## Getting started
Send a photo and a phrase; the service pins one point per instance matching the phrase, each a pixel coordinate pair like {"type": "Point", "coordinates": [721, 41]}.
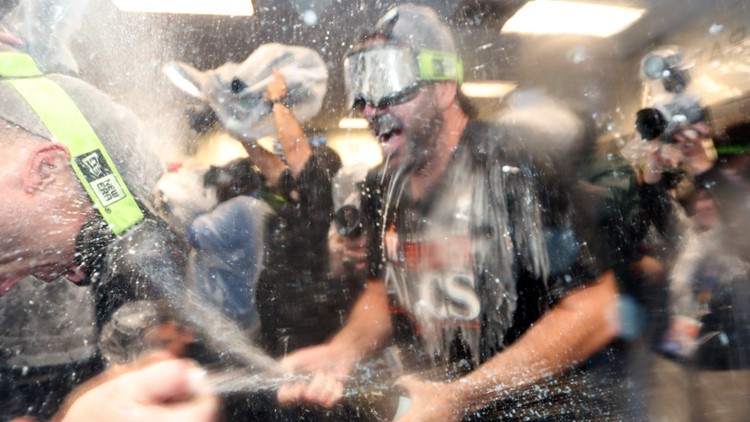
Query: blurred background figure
{"type": "Point", "coordinates": [262, 253]}
{"type": "Point", "coordinates": [706, 338]}
{"type": "Point", "coordinates": [228, 241]}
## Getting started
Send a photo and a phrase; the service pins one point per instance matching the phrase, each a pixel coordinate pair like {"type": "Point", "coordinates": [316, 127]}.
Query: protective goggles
{"type": "Point", "coordinates": [387, 75]}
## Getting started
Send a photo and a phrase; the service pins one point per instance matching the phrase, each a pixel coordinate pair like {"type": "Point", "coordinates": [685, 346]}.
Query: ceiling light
{"type": "Point", "coordinates": [193, 7]}
{"type": "Point", "coordinates": [489, 89]}
{"type": "Point", "coordinates": [352, 123]}
{"type": "Point", "coordinates": [568, 17]}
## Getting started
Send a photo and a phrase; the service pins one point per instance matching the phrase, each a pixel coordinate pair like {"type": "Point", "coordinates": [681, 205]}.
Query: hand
{"type": "Point", "coordinates": [277, 89]}
{"type": "Point", "coordinates": [690, 144]}
{"type": "Point", "coordinates": [431, 401]}
{"type": "Point", "coordinates": [169, 390]}
{"type": "Point", "coordinates": [346, 253]}
{"type": "Point", "coordinates": [329, 369]}
{"type": "Point", "coordinates": [662, 157]}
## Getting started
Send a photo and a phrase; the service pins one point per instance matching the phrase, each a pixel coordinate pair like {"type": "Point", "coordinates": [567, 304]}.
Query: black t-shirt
{"type": "Point", "coordinates": [298, 303]}
{"type": "Point", "coordinates": [493, 245]}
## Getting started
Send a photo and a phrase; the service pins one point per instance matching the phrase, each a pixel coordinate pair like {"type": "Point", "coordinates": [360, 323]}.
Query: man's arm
{"type": "Point", "coordinates": [292, 139]}
{"type": "Point", "coordinates": [368, 328]}
{"type": "Point", "coordinates": [581, 324]}
{"type": "Point", "coordinates": [291, 136]}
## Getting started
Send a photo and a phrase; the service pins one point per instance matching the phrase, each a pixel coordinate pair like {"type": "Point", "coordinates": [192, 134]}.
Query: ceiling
{"type": "Point", "coordinates": [123, 52]}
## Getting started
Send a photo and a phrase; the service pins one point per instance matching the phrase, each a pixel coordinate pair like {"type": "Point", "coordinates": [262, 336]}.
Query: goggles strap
{"type": "Point", "coordinates": [67, 125]}
{"type": "Point", "coordinates": [439, 66]}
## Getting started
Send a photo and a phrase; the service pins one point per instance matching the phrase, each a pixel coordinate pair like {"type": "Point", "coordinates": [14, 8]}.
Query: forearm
{"type": "Point", "coordinates": [369, 324]}
{"type": "Point", "coordinates": [579, 326]}
{"type": "Point", "coordinates": [292, 138]}
{"type": "Point", "coordinates": [269, 164]}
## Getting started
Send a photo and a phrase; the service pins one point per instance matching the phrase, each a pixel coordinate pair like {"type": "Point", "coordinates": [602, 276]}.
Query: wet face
{"type": "Point", "coordinates": [407, 132]}
{"type": "Point", "coordinates": [42, 208]}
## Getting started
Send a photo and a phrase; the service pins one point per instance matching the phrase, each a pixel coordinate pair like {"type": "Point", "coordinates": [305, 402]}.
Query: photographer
{"type": "Point", "coordinates": [684, 134]}
{"type": "Point", "coordinates": [707, 340]}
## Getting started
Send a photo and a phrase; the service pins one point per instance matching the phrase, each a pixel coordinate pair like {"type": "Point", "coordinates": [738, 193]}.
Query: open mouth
{"type": "Point", "coordinates": [388, 129]}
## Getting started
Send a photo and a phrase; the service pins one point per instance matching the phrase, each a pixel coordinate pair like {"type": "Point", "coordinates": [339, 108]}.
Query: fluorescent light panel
{"type": "Point", "coordinates": [568, 17]}
{"type": "Point", "coordinates": [488, 89]}
{"type": "Point", "coordinates": [192, 7]}
{"type": "Point", "coordinates": [353, 123]}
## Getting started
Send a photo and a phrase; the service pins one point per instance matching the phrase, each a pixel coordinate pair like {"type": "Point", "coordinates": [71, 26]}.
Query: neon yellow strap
{"type": "Point", "coordinates": [439, 66]}
{"type": "Point", "coordinates": [90, 160]}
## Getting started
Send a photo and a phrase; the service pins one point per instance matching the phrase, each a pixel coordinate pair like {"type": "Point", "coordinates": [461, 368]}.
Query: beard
{"type": "Point", "coordinates": [420, 135]}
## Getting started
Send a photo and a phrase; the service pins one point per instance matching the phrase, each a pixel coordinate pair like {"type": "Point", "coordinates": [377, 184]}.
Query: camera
{"type": "Point", "coordinates": [348, 221]}
{"type": "Point", "coordinates": [663, 121]}
{"type": "Point", "coordinates": [668, 66]}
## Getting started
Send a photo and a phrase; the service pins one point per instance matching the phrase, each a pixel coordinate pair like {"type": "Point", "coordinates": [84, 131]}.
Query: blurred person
{"type": "Point", "coordinates": [706, 341]}
{"type": "Point", "coordinates": [228, 241]}
{"type": "Point", "coordinates": [262, 255]}
{"type": "Point", "coordinates": [702, 372]}
{"type": "Point", "coordinates": [683, 129]}
{"type": "Point", "coordinates": [474, 242]}
{"type": "Point", "coordinates": [75, 181]}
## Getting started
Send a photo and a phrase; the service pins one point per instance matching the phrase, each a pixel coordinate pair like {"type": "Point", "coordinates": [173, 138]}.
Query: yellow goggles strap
{"type": "Point", "coordinates": [67, 125]}
{"type": "Point", "coordinates": [439, 66]}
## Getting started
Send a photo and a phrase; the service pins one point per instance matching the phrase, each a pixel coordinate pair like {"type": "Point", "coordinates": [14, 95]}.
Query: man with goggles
{"type": "Point", "coordinates": [435, 218]}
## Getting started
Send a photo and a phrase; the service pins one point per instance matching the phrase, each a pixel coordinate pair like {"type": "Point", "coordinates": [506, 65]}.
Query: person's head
{"type": "Point", "coordinates": [42, 206]}
{"type": "Point", "coordinates": [46, 212]}
{"type": "Point", "coordinates": [238, 177]}
{"type": "Point", "coordinates": [405, 76]}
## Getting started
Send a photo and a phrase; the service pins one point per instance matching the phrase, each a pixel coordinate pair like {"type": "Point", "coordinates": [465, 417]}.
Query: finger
{"type": "Point", "coordinates": [290, 393]}
{"type": "Point", "coordinates": [335, 394]}
{"type": "Point", "coordinates": [316, 390]}
{"type": "Point", "coordinates": [324, 390]}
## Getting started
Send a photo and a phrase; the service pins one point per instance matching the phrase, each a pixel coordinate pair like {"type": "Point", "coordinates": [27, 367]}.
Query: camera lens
{"type": "Point", "coordinates": [650, 123]}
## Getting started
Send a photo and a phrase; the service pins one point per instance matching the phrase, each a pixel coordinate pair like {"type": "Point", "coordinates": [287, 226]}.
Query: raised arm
{"type": "Point", "coordinates": [368, 328]}
{"type": "Point", "coordinates": [291, 136]}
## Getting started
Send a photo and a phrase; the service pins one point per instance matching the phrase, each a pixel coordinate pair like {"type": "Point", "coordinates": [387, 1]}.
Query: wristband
{"type": "Point", "coordinates": [281, 100]}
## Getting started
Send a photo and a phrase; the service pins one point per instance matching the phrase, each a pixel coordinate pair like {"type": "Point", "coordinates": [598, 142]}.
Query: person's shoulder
{"type": "Point", "coordinates": [491, 143]}
{"type": "Point", "coordinates": [326, 157]}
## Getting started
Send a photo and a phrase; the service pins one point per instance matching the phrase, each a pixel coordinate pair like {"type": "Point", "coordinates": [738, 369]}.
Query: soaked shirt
{"type": "Point", "coordinates": [485, 254]}
{"type": "Point", "coordinates": [299, 304]}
